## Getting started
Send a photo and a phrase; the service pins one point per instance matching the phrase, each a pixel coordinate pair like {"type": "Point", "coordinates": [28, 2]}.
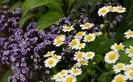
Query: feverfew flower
{"type": "Point", "coordinates": [75, 71]}
{"type": "Point", "coordinates": [129, 74]}
{"type": "Point", "coordinates": [56, 57]}
{"type": "Point", "coordinates": [120, 9]}
{"type": "Point", "coordinates": [69, 78]}
{"type": "Point", "coordinates": [129, 34]}
{"type": "Point", "coordinates": [80, 34]}
{"type": "Point", "coordinates": [73, 44]}
{"type": "Point", "coordinates": [119, 67]}
{"type": "Point", "coordinates": [79, 55]}
{"type": "Point", "coordinates": [49, 53]}
{"type": "Point", "coordinates": [129, 67]}
{"type": "Point", "coordinates": [129, 51]}
{"type": "Point", "coordinates": [90, 37]}
{"type": "Point", "coordinates": [80, 46]}
{"type": "Point", "coordinates": [111, 8]}
{"type": "Point", "coordinates": [86, 26]}
{"type": "Point", "coordinates": [111, 57]}
{"type": "Point", "coordinates": [63, 73]}
{"type": "Point", "coordinates": [68, 28]}
{"type": "Point", "coordinates": [59, 40]}
{"type": "Point", "coordinates": [119, 78]}
{"type": "Point", "coordinates": [103, 11]}
{"type": "Point", "coordinates": [117, 47]}
{"type": "Point", "coordinates": [50, 62]}
{"type": "Point", "coordinates": [89, 55]}
{"type": "Point", "coordinates": [82, 62]}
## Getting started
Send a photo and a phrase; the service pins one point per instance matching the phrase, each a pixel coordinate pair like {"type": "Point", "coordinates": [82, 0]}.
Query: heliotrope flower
{"type": "Point", "coordinates": [129, 51]}
{"type": "Point", "coordinates": [117, 47]}
{"type": "Point", "coordinates": [111, 57]}
{"type": "Point", "coordinates": [119, 78]}
{"type": "Point", "coordinates": [89, 55]}
{"type": "Point", "coordinates": [86, 26]}
{"type": "Point", "coordinates": [67, 28]}
{"type": "Point", "coordinates": [90, 37]}
{"type": "Point", "coordinates": [51, 62]}
{"type": "Point", "coordinates": [59, 40]}
{"type": "Point", "coordinates": [49, 53]}
{"type": "Point", "coordinates": [75, 71]}
{"type": "Point", "coordinates": [119, 67]}
{"type": "Point", "coordinates": [120, 9]}
{"type": "Point", "coordinates": [103, 11]}
{"type": "Point", "coordinates": [80, 34]}
{"type": "Point", "coordinates": [129, 74]}
{"type": "Point", "coordinates": [129, 34]}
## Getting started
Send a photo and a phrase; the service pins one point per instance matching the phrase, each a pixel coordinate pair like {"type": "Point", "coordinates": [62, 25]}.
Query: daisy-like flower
{"type": "Point", "coordinates": [80, 34]}
{"type": "Point", "coordinates": [90, 37]}
{"type": "Point", "coordinates": [131, 61]}
{"type": "Point", "coordinates": [129, 74]}
{"type": "Point", "coordinates": [57, 78]}
{"type": "Point", "coordinates": [73, 44]}
{"type": "Point", "coordinates": [69, 78]}
{"type": "Point", "coordinates": [119, 78]}
{"type": "Point", "coordinates": [56, 57]}
{"type": "Point", "coordinates": [86, 26]}
{"type": "Point", "coordinates": [75, 71]}
{"type": "Point", "coordinates": [82, 62]}
{"type": "Point", "coordinates": [98, 33]}
{"type": "Point", "coordinates": [129, 51]}
{"type": "Point", "coordinates": [80, 46]}
{"type": "Point", "coordinates": [119, 67]}
{"type": "Point", "coordinates": [129, 34]}
{"type": "Point", "coordinates": [89, 55]}
{"type": "Point", "coordinates": [111, 57]}
{"type": "Point", "coordinates": [117, 47]}
{"type": "Point", "coordinates": [79, 55]}
{"type": "Point", "coordinates": [103, 11]}
{"type": "Point", "coordinates": [59, 40]}
{"type": "Point", "coordinates": [49, 53]}
{"type": "Point", "coordinates": [120, 9]}
{"type": "Point", "coordinates": [68, 28]}
{"type": "Point", "coordinates": [50, 62]}
{"type": "Point", "coordinates": [111, 9]}
{"type": "Point", "coordinates": [63, 73]}
{"type": "Point", "coordinates": [129, 67]}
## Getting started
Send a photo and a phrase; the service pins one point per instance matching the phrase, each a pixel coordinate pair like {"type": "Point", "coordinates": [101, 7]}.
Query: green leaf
{"type": "Point", "coordinates": [6, 75]}
{"type": "Point", "coordinates": [4, 1]}
{"type": "Point", "coordinates": [48, 19]}
{"type": "Point", "coordinates": [70, 4]}
{"type": "Point", "coordinates": [24, 19]}
{"type": "Point", "coordinates": [29, 4]}
{"type": "Point", "coordinates": [15, 5]}
{"type": "Point", "coordinates": [128, 42]}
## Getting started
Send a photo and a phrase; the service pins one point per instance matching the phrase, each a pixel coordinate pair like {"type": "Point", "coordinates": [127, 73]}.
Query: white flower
{"type": "Point", "coordinates": [129, 74]}
{"type": "Point", "coordinates": [57, 78]}
{"type": "Point", "coordinates": [129, 67]}
{"type": "Point", "coordinates": [49, 53]}
{"type": "Point", "coordinates": [68, 28]}
{"type": "Point", "coordinates": [59, 40]}
{"type": "Point", "coordinates": [103, 11]}
{"type": "Point", "coordinates": [90, 37]}
{"type": "Point", "coordinates": [111, 57]}
{"type": "Point", "coordinates": [129, 51]}
{"type": "Point", "coordinates": [111, 9]}
{"type": "Point", "coordinates": [73, 44]}
{"type": "Point", "coordinates": [69, 78]}
{"type": "Point", "coordinates": [50, 62]}
{"type": "Point", "coordinates": [63, 73]}
{"type": "Point", "coordinates": [118, 67]}
{"type": "Point", "coordinates": [80, 46]}
{"type": "Point", "coordinates": [120, 9]}
{"type": "Point", "coordinates": [129, 34]}
{"type": "Point", "coordinates": [131, 61]}
{"type": "Point", "coordinates": [119, 78]}
{"type": "Point", "coordinates": [117, 47]}
{"type": "Point", "coordinates": [80, 34]}
{"type": "Point", "coordinates": [75, 71]}
{"type": "Point", "coordinates": [98, 33]}
{"type": "Point", "coordinates": [79, 55]}
{"type": "Point", "coordinates": [86, 26]}
{"type": "Point", "coordinates": [89, 55]}
{"type": "Point", "coordinates": [56, 57]}
{"type": "Point", "coordinates": [82, 62]}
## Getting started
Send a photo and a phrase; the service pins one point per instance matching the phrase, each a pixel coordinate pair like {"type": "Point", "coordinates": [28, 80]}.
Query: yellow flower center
{"type": "Point", "coordinates": [118, 47]}
{"type": "Point", "coordinates": [67, 28]}
{"type": "Point", "coordinates": [111, 8]}
{"type": "Point", "coordinates": [58, 37]}
{"type": "Point", "coordinates": [62, 73]}
{"type": "Point", "coordinates": [75, 71]}
{"type": "Point", "coordinates": [88, 37]}
{"type": "Point", "coordinates": [103, 11]}
{"type": "Point", "coordinates": [89, 55]}
{"type": "Point", "coordinates": [50, 62]}
{"type": "Point", "coordinates": [130, 68]}
{"type": "Point", "coordinates": [59, 41]}
{"type": "Point", "coordinates": [73, 42]}
{"type": "Point", "coordinates": [55, 57]}
{"type": "Point", "coordinates": [86, 25]}
{"type": "Point", "coordinates": [131, 74]}
{"type": "Point", "coordinates": [69, 79]}
{"type": "Point", "coordinates": [120, 66]}
{"type": "Point", "coordinates": [130, 33]}
{"type": "Point", "coordinates": [120, 8]}
{"type": "Point", "coordinates": [131, 50]}
{"type": "Point", "coordinates": [111, 56]}
{"type": "Point", "coordinates": [79, 55]}
{"type": "Point", "coordinates": [82, 62]}
{"type": "Point", "coordinates": [80, 45]}
{"type": "Point", "coordinates": [79, 34]}
{"type": "Point", "coordinates": [119, 79]}
{"type": "Point", "coordinates": [49, 53]}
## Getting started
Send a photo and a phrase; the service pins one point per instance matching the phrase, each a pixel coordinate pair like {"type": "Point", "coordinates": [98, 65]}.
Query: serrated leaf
{"type": "Point", "coordinates": [48, 19]}
{"type": "Point", "coordinates": [15, 5]}
{"type": "Point", "coordinates": [6, 75]}
{"type": "Point", "coordinates": [24, 19]}
{"type": "Point", "coordinates": [29, 4]}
